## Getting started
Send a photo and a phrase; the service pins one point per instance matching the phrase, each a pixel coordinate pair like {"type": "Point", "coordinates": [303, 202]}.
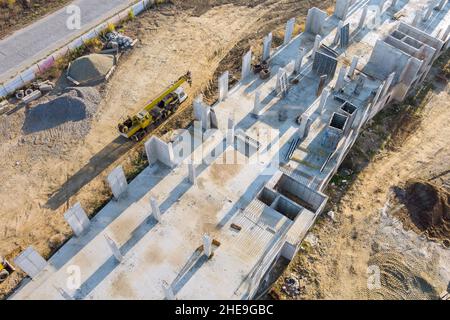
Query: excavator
{"type": "Point", "coordinates": [156, 110]}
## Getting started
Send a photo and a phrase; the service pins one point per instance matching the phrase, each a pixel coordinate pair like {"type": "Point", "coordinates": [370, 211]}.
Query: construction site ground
{"type": "Point", "coordinates": [371, 232]}
{"type": "Point", "coordinates": [47, 167]}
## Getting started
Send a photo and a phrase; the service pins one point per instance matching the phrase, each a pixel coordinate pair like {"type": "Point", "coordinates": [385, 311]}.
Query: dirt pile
{"type": "Point", "coordinates": [426, 209]}
{"type": "Point", "coordinates": [67, 115]}
{"type": "Point", "coordinates": [91, 68]}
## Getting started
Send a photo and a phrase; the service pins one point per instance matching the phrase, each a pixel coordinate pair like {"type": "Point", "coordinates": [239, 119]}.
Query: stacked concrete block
{"type": "Point", "coordinates": [341, 8]}
{"type": "Point", "coordinates": [246, 65]}
{"type": "Point", "coordinates": [117, 182]}
{"type": "Point", "coordinates": [31, 262]}
{"type": "Point", "coordinates": [158, 150]}
{"type": "Point", "coordinates": [77, 218]}
{"type": "Point", "coordinates": [267, 44]}
{"type": "Point", "coordinates": [289, 31]}
{"type": "Point", "coordinates": [315, 21]}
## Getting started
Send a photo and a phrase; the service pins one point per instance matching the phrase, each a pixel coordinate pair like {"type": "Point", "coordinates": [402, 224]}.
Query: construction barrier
{"type": "Point", "coordinates": [45, 64]}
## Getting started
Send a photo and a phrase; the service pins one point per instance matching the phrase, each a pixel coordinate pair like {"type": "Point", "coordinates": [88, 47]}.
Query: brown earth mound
{"type": "Point", "coordinates": [427, 210]}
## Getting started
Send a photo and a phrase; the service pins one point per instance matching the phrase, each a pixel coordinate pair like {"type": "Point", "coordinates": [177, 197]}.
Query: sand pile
{"type": "Point", "coordinates": [66, 117]}
{"type": "Point", "coordinates": [427, 210]}
{"type": "Point", "coordinates": [91, 68]}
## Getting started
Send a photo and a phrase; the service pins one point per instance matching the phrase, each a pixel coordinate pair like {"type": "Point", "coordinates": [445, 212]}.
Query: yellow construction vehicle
{"type": "Point", "coordinates": [5, 269]}
{"type": "Point", "coordinates": [156, 110]}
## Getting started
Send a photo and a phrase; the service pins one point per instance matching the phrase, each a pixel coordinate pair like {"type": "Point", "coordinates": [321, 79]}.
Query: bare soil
{"type": "Point", "coordinates": [41, 178]}
{"type": "Point", "coordinates": [374, 235]}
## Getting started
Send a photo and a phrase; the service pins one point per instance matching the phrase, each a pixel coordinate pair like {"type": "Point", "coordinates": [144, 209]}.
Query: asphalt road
{"type": "Point", "coordinates": [27, 46]}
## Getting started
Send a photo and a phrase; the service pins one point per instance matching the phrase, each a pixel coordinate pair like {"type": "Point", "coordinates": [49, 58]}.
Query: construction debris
{"type": "Point", "coordinates": [117, 40]}
{"type": "Point", "coordinates": [291, 286]}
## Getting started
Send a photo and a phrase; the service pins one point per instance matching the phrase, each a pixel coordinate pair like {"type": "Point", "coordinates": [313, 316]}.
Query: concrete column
{"type": "Point", "coordinates": [267, 44]}
{"type": "Point", "coordinates": [338, 32]}
{"type": "Point", "coordinates": [362, 20]}
{"type": "Point", "coordinates": [381, 5]}
{"type": "Point", "coordinates": [31, 262]}
{"type": "Point", "coordinates": [156, 213]}
{"type": "Point", "coordinates": [446, 33]}
{"type": "Point", "coordinates": [257, 103]}
{"type": "Point", "coordinates": [316, 45]}
{"type": "Point", "coordinates": [303, 125]}
{"type": "Point", "coordinates": [378, 94]}
{"type": "Point", "coordinates": [417, 17]}
{"type": "Point", "coordinates": [394, 3]}
{"type": "Point", "coordinates": [223, 86]}
{"type": "Point", "coordinates": [246, 65]}
{"type": "Point", "coordinates": [323, 100]}
{"type": "Point", "coordinates": [192, 173]}
{"type": "Point", "coordinates": [207, 245]}
{"type": "Point", "coordinates": [289, 31]}
{"type": "Point", "coordinates": [64, 294]}
{"type": "Point", "coordinates": [323, 79]}
{"type": "Point", "coordinates": [341, 9]}
{"type": "Point", "coordinates": [281, 85]}
{"type": "Point", "coordinates": [168, 291]}
{"type": "Point", "coordinates": [114, 248]}
{"type": "Point", "coordinates": [230, 132]}
{"type": "Point", "coordinates": [117, 182]}
{"type": "Point", "coordinates": [387, 84]}
{"type": "Point", "coordinates": [441, 4]}
{"type": "Point", "coordinates": [340, 79]}
{"type": "Point", "coordinates": [77, 219]}
{"type": "Point", "coordinates": [299, 60]}
{"type": "Point", "coordinates": [353, 66]}
{"type": "Point", "coordinates": [428, 12]}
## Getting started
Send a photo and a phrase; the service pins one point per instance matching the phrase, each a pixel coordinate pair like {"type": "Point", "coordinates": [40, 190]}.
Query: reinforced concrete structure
{"type": "Point", "coordinates": [222, 203]}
